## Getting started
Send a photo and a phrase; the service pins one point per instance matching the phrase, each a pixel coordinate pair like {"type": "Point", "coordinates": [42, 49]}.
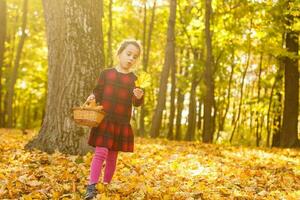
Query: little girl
{"type": "Point", "coordinates": [116, 92]}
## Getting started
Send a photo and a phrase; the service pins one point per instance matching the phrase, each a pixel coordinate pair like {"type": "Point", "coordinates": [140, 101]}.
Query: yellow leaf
{"type": "Point", "coordinates": [143, 80]}
{"type": "Point", "coordinates": [34, 183]}
{"type": "Point", "coordinates": [26, 197]}
{"type": "Point", "coordinates": [100, 187]}
{"type": "Point", "coordinates": [55, 195]}
{"type": "Point", "coordinates": [167, 197]}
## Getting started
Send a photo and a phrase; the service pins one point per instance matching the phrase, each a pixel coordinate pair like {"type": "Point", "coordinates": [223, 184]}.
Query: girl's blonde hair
{"type": "Point", "coordinates": [127, 42]}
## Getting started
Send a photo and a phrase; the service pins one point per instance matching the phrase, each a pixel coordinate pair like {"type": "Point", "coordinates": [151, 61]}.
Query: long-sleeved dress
{"type": "Point", "coordinates": [114, 91]}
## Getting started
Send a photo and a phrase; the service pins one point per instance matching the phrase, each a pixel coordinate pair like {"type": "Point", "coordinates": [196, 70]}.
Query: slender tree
{"type": "Point", "coordinates": [257, 114]}
{"type": "Point", "coordinates": [183, 72]}
{"type": "Point", "coordinates": [207, 136]}
{"type": "Point", "coordinates": [168, 63]}
{"type": "Point", "coordinates": [3, 11]}
{"type": "Point", "coordinates": [172, 102]}
{"type": "Point", "coordinates": [236, 122]}
{"type": "Point", "coordinates": [145, 67]}
{"type": "Point", "coordinates": [14, 73]}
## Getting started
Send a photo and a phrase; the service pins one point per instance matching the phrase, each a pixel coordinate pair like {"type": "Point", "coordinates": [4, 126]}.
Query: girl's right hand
{"type": "Point", "coordinates": [91, 97]}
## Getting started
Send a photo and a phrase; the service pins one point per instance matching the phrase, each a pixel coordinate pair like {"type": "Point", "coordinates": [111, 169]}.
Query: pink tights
{"type": "Point", "coordinates": [101, 154]}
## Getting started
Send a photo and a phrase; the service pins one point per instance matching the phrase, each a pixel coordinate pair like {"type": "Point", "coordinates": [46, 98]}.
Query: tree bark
{"type": "Point", "coordinates": [289, 132]}
{"type": "Point", "coordinates": [207, 136]}
{"type": "Point", "coordinates": [190, 133]}
{"type": "Point", "coordinates": [277, 123]}
{"type": "Point", "coordinates": [277, 82]}
{"type": "Point", "coordinates": [183, 71]}
{"type": "Point", "coordinates": [14, 74]}
{"type": "Point", "coordinates": [75, 60]}
{"type": "Point", "coordinates": [242, 87]}
{"type": "Point", "coordinates": [145, 67]}
{"type": "Point", "coordinates": [172, 102]}
{"type": "Point", "coordinates": [223, 118]}
{"type": "Point", "coordinates": [109, 36]}
{"type": "Point", "coordinates": [3, 12]}
{"type": "Point", "coordinates": [168, 62]}
{"type": "Point", "coordinates": [257, 114]}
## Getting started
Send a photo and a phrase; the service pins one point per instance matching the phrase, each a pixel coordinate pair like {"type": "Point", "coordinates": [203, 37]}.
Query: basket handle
{"type": "Point", "coordinates": [85, 103]}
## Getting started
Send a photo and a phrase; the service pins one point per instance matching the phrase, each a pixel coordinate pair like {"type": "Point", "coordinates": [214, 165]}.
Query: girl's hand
{"type": "Point", "coordinates": [91, 97]}
{"type": "Point", "coordinates": [138, 92]}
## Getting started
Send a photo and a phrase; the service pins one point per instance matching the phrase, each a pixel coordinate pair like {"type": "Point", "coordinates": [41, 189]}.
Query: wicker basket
{"type": "Point", "coordinates": [88, 116]}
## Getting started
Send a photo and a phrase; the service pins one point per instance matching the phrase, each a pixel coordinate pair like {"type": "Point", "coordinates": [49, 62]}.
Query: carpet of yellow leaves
{"type": "Point", "coordinates": [159, 169]}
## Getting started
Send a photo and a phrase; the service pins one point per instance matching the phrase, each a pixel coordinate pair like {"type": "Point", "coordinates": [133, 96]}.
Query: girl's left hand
{"type": "Point", "coordinates": [138, 92]}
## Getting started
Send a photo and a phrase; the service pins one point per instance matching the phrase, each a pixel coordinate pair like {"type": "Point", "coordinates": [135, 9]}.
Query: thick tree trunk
{"type": "Point", "coordinates": [3, 12]}
{"type": "Point", "coordinates": [289, 132]}
{"type": "Point", "coordinates": [75, 60]}
{"type": "Point", "coordinates": [14, 74]}
{"type": "Point", "coordinates": [100, 26]}
{"type": "Point", "coordinates": [207, 136]}
{"type": "Point", "coordinates": [168, 62]}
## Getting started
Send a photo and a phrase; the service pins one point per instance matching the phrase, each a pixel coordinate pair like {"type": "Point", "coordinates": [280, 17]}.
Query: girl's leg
{"type": "Point", "coordinates": [110, 167]}
{"type": "Point", "coordinates": [97, 162]}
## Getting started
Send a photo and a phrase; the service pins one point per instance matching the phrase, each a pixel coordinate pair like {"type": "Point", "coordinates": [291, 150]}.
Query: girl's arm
{"type": "Point", "coordinates": [98, 90]}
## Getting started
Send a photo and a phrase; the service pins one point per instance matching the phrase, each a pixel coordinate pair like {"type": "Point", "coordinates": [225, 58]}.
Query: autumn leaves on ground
{"type": "Point", "coordinates": [159, 169]}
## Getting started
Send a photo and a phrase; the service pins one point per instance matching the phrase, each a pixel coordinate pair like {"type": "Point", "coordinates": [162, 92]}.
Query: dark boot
{"type": "Point", "coordinates": [91, 192]}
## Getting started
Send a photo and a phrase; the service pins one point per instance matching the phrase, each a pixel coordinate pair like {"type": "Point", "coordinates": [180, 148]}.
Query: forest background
{"type": "Point", "coordinates": [221, 71]}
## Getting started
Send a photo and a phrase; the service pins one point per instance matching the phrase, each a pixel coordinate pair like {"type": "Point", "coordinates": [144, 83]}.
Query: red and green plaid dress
{"type": "Point", "coordinates": [114, 91]}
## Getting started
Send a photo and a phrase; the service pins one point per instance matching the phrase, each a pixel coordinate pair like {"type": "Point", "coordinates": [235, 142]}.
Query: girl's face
{"type": "Point", "coordinates": [128, 57]}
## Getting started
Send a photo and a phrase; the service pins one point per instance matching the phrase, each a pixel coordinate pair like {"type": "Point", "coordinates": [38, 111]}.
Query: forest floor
{"type": "Point", "coordinates": [159, 169]}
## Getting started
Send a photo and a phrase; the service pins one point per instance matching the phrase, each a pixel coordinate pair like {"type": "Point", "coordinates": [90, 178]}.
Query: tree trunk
{"type": "Point", "coordinates": [3, 12]}
{"type": "Point", "coordinates": [100, 26]}
{"type": "Point", "coordinates": [11, 40]}
{"type": "Point", "coordinates": [277, 82]}
{"type": "Point", "coordinates": [145, 67]}
{"type": "Point", "coordinates": [199, 112]}
{"type": "Point", "coordinates": [190, 133]}
{"type": "Point", "coordinates": [75, 60]}
{"type": "Point", "coordinates": [207, 136]}
{"type": "Point", "coordinates": [277, 123]}
{"type": "Point", "coordinates": [289, 132]}
{"type": "Point", "coordinates": [109, 36]}
{"type": "Point", "coordinates": [242, 87]}
{"type": "Point", "coordinates": [168, 62]}
{"type": "Point", "coordinates": [223, 118]}
{"type": "Point", "coordinates": [258, 115]}
{"type": "Point", "coordinates": [14, 75]}
{"type": "Point", "coordinates": [141, 129]}
{"type": "Point", "coordinates": [180, 99]}
{"type": "Point", "coordinates": [172, 102]}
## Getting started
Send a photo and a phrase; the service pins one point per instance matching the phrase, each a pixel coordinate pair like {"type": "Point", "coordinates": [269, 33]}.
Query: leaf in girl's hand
{"type": "Point", "coordinates": [143, 80]}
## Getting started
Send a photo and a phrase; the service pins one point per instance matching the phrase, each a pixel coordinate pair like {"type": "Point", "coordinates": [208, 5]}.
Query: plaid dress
{"type": "Point", "coordinates": [114, 91]}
